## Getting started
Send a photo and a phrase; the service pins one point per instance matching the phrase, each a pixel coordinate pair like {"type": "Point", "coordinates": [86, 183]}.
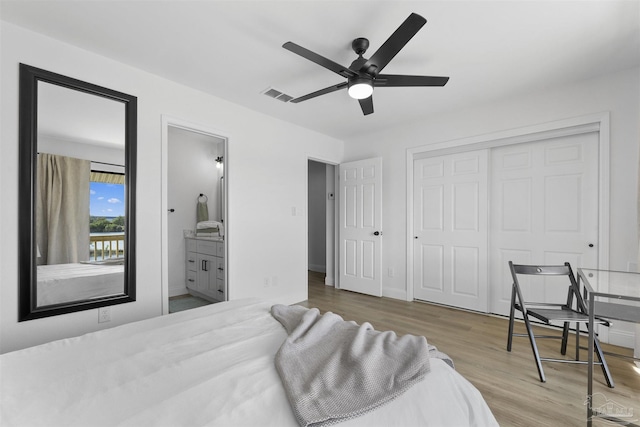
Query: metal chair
{"type": "Point", "coordinates": [573, 310]}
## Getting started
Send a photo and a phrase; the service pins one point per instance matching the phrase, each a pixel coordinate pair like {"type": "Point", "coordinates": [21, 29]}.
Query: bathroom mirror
{"type": "Point", "coordinates": [77, 176]}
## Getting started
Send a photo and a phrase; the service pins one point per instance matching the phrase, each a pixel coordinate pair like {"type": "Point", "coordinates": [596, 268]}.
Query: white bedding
{"type": "Point", "coordinates": [209, 366]}
{"type": "Point", "coordinates": [77, 281]}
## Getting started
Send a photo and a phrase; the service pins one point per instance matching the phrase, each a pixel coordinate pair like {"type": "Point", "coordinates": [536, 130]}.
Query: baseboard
{"type": "Point", "coordinates": [394, 293]}
{"type": "Point", "coordinates": [317, 268]}
{"type": "Point", "coordinates": [621, 338]}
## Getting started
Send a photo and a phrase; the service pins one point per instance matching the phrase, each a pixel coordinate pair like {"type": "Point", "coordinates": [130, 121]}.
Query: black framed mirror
{"type": "Point", "coordinates": [77, 176]}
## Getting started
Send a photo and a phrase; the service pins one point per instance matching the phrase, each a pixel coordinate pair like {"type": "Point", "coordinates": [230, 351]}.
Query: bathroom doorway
{"type": "Point", "coordinates": [193, 185]}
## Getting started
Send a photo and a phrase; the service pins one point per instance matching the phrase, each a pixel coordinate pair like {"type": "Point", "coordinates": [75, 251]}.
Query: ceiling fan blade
{"type": "Point", "coordinates": [318, 59]}
{"type": "Point", "coordinates": [392, 46]}
{"type": "Point", "coordinates": [367, 105]}
{"type": "Point", "coordinates": [320, 92]}
{"type": "Point", "coordinates": [394, 80]}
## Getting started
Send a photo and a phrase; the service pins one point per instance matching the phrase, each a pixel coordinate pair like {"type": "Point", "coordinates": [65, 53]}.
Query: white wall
{"type": "Point", "coordinates": [192, 170]}
{"type": "Point", "coordinates": [618, 93]}
{"type": "Point", "coordinates": [317, 217]}
{"type": "Point", "coordinates": [265, 239]}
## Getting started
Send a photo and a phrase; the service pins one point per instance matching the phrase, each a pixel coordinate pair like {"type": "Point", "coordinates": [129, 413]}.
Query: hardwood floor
{"type": "Point", "coordinates": [477, 344]}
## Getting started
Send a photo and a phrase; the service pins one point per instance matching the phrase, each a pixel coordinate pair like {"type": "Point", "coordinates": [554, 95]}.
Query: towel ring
{"type": "Point", "coordinates": [201, 197]}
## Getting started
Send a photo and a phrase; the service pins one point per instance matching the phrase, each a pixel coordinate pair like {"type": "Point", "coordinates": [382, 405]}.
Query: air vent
{"type": "Point", "coordinates": [274, 93]}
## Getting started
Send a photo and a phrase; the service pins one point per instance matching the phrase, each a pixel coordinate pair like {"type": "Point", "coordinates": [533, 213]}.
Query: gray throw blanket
{"type": "Point", "coordinates": [333, 370]}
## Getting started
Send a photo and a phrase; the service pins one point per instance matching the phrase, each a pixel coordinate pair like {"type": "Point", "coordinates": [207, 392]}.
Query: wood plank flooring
{"type": "Point", "coordinates": [477, 344]}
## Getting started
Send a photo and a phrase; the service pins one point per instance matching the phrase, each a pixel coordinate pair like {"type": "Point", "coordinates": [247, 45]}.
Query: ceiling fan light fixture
{"type": "Point", "coordinates": [360, 88]}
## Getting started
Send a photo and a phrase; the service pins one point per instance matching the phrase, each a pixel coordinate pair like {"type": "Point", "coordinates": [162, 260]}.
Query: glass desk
{"type": "Point", "coordinates": [612, 295]}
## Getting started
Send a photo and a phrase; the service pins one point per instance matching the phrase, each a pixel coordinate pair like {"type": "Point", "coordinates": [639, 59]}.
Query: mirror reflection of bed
{"type": "Point", "coordinates": [60, 283]}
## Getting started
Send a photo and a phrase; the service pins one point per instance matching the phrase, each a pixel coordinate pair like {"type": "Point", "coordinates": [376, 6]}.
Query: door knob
{"type": "Point", "coordinates": [590, 245]}
{"type": "Point", "coordinates": [415, 237]}
{"type": "Point", "coordinates": [377, 233]}
{"type": "Point", "coordinates": [171, 210]}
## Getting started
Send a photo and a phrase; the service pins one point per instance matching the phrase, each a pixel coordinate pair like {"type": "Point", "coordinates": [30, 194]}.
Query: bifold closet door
{"type": "Point", "coordinates": [544, 210]}
{"type": "Point", "coordinates": [450, 230]}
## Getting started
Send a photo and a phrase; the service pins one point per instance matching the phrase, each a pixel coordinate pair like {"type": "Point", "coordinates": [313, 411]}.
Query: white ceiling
{"type": "Point", "coordinates": [232, 49]}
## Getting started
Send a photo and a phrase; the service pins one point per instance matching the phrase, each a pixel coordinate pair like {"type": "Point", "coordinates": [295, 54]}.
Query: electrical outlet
{"type": "Point", "coordinates": [104, 314]}
{"type": "Point", "coordinates": [267, 282]}
{"type": "Point", "coordinates": [391, 272]}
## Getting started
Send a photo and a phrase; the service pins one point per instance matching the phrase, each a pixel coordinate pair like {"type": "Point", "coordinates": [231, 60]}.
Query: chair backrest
{"type": "Point", "coordinates": [548, 270]}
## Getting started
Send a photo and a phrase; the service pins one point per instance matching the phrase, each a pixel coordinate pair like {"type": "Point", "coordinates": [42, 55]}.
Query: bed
{"type": "Point", "coordinates": [213, 365]}
{"type": "Point", "coordinates": [61, 283]}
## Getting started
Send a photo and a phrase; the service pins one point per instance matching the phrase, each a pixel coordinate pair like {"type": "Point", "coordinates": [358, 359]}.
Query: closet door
{"type": "Point", "coordinates": [450, 227]}
{"type": "Point", "coordinates": [544, 210]}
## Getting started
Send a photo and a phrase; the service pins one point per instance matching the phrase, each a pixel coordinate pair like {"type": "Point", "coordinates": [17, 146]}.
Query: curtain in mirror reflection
{"type": "Point", "coordinates": [62, 209]}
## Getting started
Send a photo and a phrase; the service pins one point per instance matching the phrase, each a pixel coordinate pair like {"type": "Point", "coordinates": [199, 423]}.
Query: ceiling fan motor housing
{"type": "Point", "coordinates": [360, 45]}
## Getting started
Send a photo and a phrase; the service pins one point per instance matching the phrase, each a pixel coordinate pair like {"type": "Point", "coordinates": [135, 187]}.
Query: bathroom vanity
{"type": "Point", "coordinates": [205, 268]}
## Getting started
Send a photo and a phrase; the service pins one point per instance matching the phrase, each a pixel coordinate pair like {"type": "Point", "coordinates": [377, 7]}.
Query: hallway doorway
{"type": "Point", "coordinates": [321, 228]}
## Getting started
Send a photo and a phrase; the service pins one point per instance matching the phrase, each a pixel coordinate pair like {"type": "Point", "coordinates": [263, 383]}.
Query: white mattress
{"type": "Point", "coordinates": [72, 282]}
{"type": "Point", "coordinates": [208, 366]}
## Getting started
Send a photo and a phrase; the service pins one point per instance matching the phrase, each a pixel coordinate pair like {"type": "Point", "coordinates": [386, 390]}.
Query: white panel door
{"type": "Point", "coordinates": [544, 210]}
{"type": "Point", "coordinates": [361, 226]}
{"type": "Point", "coordinates": [450, 230]}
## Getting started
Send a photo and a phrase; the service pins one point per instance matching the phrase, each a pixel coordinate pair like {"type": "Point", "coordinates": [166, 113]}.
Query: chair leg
{"type": "Point", "coordinates": [604, 366]}
{"type": "Point", "coordinates": [534, 348]}
{"type": "Point", "coordinates": [511, 316]}
{"type": "Point", "coordinates": [565, 338]}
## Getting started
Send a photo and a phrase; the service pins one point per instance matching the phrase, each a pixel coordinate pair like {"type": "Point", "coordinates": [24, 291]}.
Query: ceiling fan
{"type": "Point", "coordinates": [364, 74]}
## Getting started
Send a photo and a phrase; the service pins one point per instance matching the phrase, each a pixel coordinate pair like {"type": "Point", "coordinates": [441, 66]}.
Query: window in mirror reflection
{"type": "Point", "coordinates": [106, 220]}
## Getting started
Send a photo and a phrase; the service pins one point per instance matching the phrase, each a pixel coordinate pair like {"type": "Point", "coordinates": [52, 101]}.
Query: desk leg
{"type": "Point", "coordinates": [590, 362]}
